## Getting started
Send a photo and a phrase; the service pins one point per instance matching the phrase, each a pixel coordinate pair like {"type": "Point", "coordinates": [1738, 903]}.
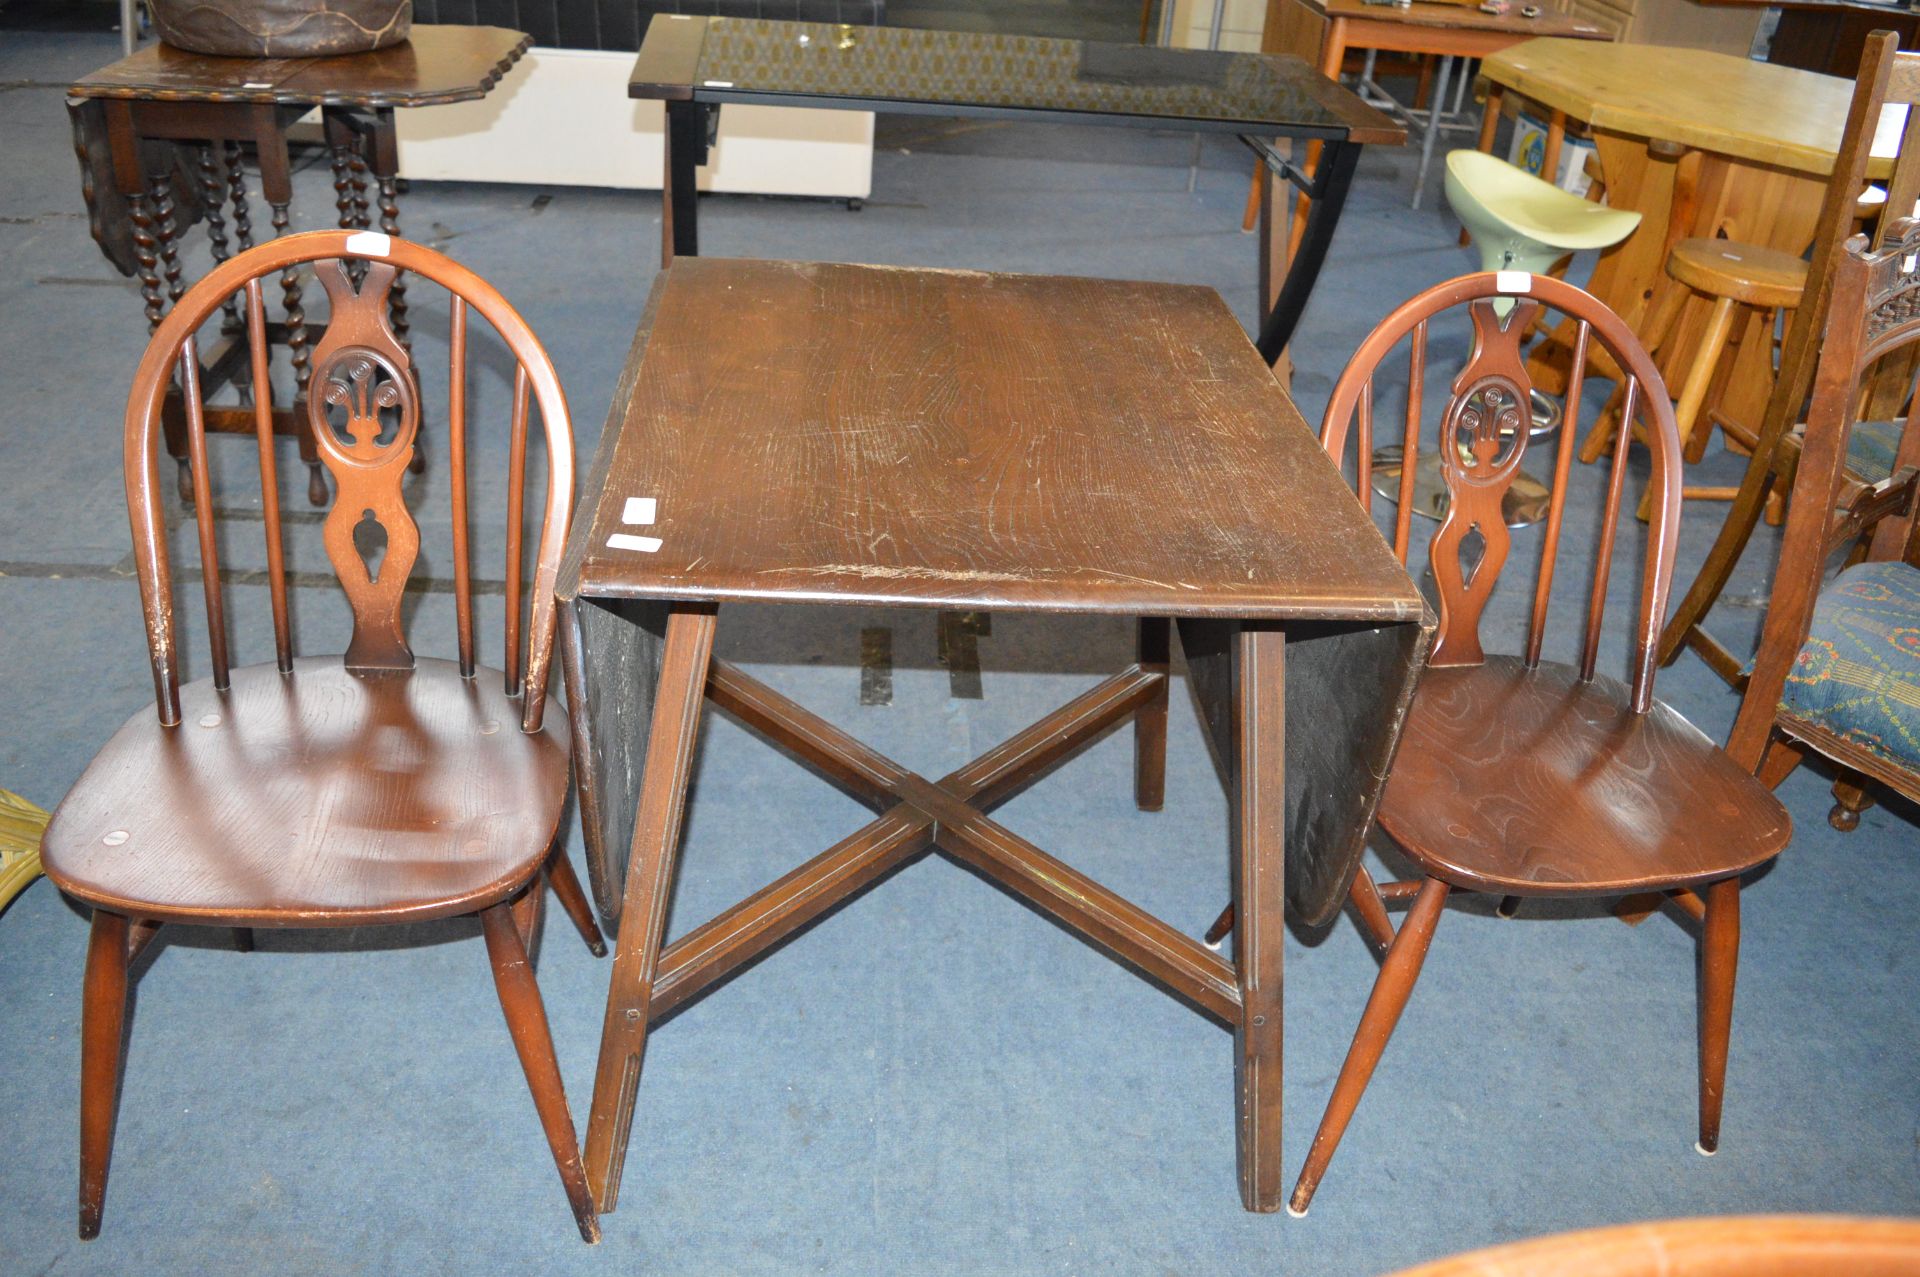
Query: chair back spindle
{"type": "Point", "coordinates": [262, 395]}
{"type": "Point", "coordinates": [364, 411]}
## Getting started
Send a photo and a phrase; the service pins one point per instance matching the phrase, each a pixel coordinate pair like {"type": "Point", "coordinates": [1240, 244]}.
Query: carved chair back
{"type": "Point", "coordinates": [1874, 321]}
{"type": "Point", "coordinates": [1881, 121]}
{"type": "Point", "coordinates": [364, 409]}
{"type": "Point", "coordinates": [1482, 442]}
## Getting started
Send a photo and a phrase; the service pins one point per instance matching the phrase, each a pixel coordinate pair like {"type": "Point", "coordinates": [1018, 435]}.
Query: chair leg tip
{"type": "Point", "coordinates": [590, 1230]}
{"type": "Point", "coordinates": [597, 947]}
{"type": "Point", "coordinates": [1297, 1204]}
{"type": "Point", "coordinates": [89, 1226]}
{"type": "Point", "coordinates": [1706, 1150]}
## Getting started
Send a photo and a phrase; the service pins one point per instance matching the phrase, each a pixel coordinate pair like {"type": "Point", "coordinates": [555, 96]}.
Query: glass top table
{"type": "Point", "coordinates": [697, 64]}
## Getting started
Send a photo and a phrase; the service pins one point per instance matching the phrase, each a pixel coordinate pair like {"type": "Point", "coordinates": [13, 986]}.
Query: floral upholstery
{"type": "Point", "coordinates": [1858, 674]}
{"type": "Point", "coordinates": [1870, 449]}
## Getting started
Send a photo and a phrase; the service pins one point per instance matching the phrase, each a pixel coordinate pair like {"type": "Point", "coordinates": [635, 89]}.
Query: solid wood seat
{"type": "Point", "coordinates": [1750, 274]}
{"type": "Point", "coordinates": [393, 798]}
{"type": "Point", "coordinates": [1534, 783]}
{"type": "Point", "coordinates": [373, 786]}
{"type": "Point", "coordinates": [1515, 776]}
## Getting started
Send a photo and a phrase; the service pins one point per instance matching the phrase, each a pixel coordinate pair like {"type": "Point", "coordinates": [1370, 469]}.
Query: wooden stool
{"type": "Point", "coordinates": [1740, 278]}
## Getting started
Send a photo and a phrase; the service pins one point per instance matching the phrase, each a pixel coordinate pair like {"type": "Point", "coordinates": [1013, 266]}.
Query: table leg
{"type": "Point", "coordinates": [237, 194]}
{"type": "Point", "coordinates": [679, 202]}
{"type": "Point", "coordinates": [213, 188]}
{"type": "Point", "coordinates": [1259, 835]}
{"type": "Point", "coordinates": [160, 191]}
{"type": "Point", "coordinates": [1437, 101]}
{"type": "Point", "coordinates": [386, 171]}
{"type": "Point", "coordinates": [342, 150]}
{"type": "Point", "coordinates": [1328, 192]}
{"type": "Point", "coordinates": [146, 254]}
{"type": "Point", "coordinates": [649, 881]}
{"type": "Point", "coordinates": [1556, 136]}
{"type": "Point", "coordinates": [1150, 721]}
{"type": "Point", "coordinates": [1489, 125]}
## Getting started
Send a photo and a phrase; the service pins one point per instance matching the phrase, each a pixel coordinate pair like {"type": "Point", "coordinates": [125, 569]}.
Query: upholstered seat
{"type": "Point", "coordinates": [1857, 676]}
{"type": "Point", "coordinates": [1871, 448]}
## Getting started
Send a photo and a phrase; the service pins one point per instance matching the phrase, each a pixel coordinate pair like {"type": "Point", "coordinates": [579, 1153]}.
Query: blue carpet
{"type": "Point", "coordinates": [934, 1079]}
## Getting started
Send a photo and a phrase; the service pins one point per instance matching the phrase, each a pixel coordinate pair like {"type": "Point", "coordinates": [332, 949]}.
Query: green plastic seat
{"type": "Point", "coordinates": [1522, 223]}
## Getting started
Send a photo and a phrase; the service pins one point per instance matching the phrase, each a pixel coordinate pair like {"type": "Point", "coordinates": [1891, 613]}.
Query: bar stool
{"type": "Point", "coordinates": [1742, 279]}
{"type": "Point", "coordinates": [1520, 223]}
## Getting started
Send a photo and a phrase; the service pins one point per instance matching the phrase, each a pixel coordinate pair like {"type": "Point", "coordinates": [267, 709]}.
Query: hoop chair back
{"type": "Point", "coordinates": [1482, 441]}
{"type": "Point", "coordinates": [364, 410]}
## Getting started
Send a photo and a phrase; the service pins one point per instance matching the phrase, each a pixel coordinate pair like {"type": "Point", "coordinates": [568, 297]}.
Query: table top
{"type": "Point", "coordinates": [923, 438]}
{"type": "Point", "coordinates": [439, 64]}
{"type": "Point", "coordinates": [1463, 17]}
{"type": "Point", "coordinates": [1732, 106]}
{"type": "Point", "coordinates": [955, 72]}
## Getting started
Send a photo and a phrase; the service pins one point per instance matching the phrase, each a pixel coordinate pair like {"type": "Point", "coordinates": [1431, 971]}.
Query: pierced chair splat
{"type": "Point", "coordinates": [329, 791]}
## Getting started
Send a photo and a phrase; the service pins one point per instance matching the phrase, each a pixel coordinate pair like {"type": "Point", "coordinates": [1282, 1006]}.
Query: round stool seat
{"type": "Point", "coordinates": [1510, 209]}
{"type": "Point", "coordinates": [1747, 273]}
{"type": "Point", "coordinates": [1871, 202]}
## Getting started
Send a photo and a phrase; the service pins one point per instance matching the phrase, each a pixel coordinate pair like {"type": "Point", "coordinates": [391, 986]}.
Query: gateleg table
{"type": "Point", "coordinates": [957, 440]}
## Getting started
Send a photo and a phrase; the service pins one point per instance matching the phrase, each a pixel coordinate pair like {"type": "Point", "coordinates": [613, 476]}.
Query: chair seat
{"type": "Point", "coordinates": [1871, 448]}
{"type": "Point", "coordinates": [1530, 782]}
{"type": "Point", "coordinates": [317, 798]}
{"type": "Point", "coordinates": [1857, 677]}
{"type": "Point", "coordinates": [1481, 185]}
{"type": "Point", "coordinates": [1747, 273]}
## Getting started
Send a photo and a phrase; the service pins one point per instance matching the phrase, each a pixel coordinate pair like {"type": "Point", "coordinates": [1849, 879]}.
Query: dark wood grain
{"type": "Point", "coordinates": [1519, 776]}
{"type": "Point", "coordinates": [390, 798]}
{"type": "Point", "coordinates": [438, 64]}
{"type": "Point", "coordinates": [1532, 782]}
{"type": "Point", "coordinates": [326, 790]}
{"type": "Point", "coordinates": [856, 435]}
{"type": "Point", "coordinates": [999, 442]}
{"type": "Point", "coordinates": [669, 60]}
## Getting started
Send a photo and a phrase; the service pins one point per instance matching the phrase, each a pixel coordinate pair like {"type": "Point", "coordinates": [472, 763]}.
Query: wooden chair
{"type": "Point", "coordinates": [326, 791]}
{"type": "Point", "coordinates": [1519, 776]}
{"type": "Point", "coordinates": [1838, 670]}
{"type": "Point", "coordinates": [1733, 1246]}
{"type": "Point", "coordinates": [1888, 78]}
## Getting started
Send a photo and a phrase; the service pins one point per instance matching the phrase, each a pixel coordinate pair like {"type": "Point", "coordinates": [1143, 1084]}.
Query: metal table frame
{"type": "Point", "coordinates": [667, 70]}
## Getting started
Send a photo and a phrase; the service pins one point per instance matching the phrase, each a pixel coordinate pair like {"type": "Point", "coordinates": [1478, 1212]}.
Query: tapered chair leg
{"type": "Point", "coordinates": [527, 1022]}
{"type": "Point", "coordinates": [1390, 992]}
{"type": "Point", "coordinates": [104, 1015]}
{"type": "Point", "coordinates": [1371, 910]}
{"type": "Point", "coordinates": [566, 889]}
{"type": "Point", "coordinates": [1719, 962]}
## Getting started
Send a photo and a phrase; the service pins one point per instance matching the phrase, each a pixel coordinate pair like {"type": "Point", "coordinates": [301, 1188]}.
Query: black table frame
{"type": "Point", "coordinates": [666, 70]}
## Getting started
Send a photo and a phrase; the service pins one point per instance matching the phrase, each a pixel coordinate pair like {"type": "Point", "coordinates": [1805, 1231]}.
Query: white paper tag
{"type": "Point", "coordinates": [628, 541]}
{"type": "Point", "coordinates": [1513, 281]}
{"type": "Point", "coordinates": [639, 510]}
{"type": "Point", "coordinates": [257, 84]}
{"type": "Point", "coordinates": [717, 84]}
{"type": "Point", "coordinates": [369, 244]}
